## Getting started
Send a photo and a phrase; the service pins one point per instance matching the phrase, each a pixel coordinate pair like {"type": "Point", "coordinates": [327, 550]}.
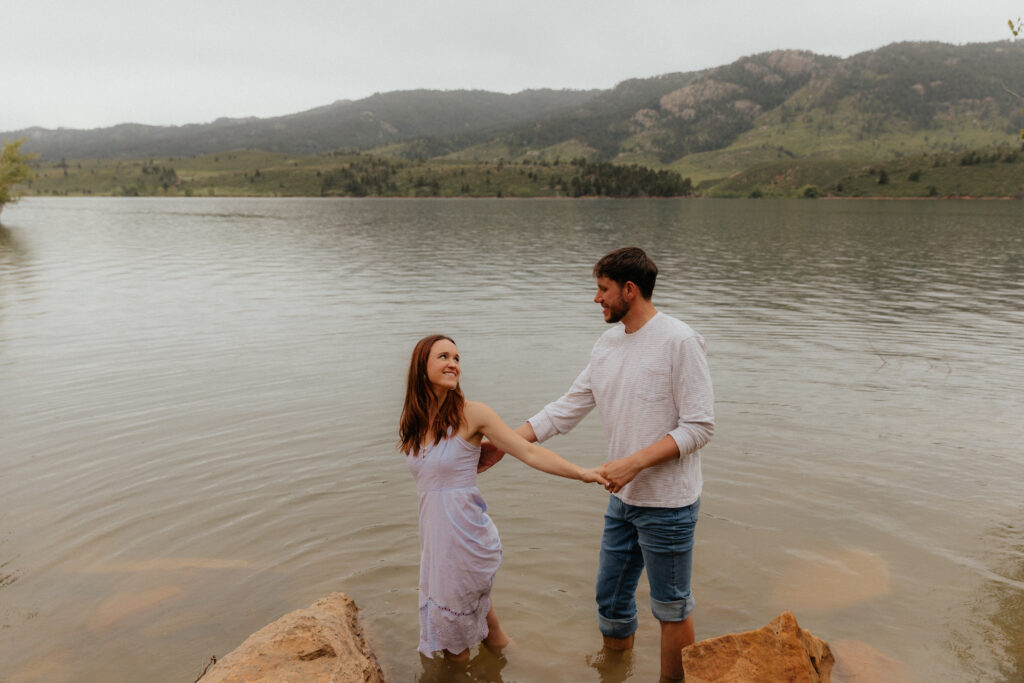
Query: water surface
{"type": "Point", "coordinates": [198, 404]}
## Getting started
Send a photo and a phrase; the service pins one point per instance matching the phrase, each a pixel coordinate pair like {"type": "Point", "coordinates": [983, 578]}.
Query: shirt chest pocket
{"type": "Point", "coordinates": [654, 383]}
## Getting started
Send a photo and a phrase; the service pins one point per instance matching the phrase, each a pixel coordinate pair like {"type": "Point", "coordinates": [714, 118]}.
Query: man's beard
{"type": "Point", "coordinates": [617, 313]}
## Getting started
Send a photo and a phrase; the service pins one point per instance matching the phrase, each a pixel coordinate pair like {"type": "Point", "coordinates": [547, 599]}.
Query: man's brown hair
{"type": "Point", "coordinates": [629, 264]}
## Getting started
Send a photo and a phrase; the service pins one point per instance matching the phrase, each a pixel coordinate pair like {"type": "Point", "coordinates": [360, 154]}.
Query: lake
{"type": "Point", "coordinates": [199, 403]}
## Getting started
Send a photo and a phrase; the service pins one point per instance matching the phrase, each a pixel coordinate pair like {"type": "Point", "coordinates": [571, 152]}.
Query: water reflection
{"type": "Point", "coordinates": [7, 242]}
{"type": "Point", "coordinates": [612, 666]}
{"type": "Point", "coordinates": [14, 254]}
{"type": "Point", "coordinates": [483, 667]}
{"type": "Point", "coordinates": [13, 259]}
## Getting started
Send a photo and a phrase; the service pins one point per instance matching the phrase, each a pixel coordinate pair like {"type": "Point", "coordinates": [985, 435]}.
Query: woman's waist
{"type": "Point", "coordinates": [469, 487]}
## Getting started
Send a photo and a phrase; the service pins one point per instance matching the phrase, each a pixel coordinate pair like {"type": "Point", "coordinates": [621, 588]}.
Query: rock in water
{"type": "Point", "coordinates": [781, 651]}
{"type": "Point", "coordinates": [320, 644]}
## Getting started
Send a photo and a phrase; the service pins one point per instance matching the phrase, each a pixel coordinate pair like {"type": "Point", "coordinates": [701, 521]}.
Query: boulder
{"type": "Point", "coordinates": [320, 644]}
{"type": "Point", "coordinates": [781, 651]}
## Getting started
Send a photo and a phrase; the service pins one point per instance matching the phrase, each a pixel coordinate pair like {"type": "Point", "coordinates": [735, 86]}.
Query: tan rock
{"type": "Point", "coordinates": [702, 92]}
{"type": "Point", "coordinates": [320, 644]}
{"type": "Point", "coordinates": [781, 651]}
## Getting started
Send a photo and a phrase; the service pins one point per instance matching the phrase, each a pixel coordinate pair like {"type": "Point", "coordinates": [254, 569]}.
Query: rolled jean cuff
{"type": "Point", "coordinates": [677, 610]}
{"type": "Point", "coordinates": [617, 628]}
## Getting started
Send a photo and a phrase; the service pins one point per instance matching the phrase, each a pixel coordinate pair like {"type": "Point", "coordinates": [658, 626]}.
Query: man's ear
{"type": "Point", "coordinates": [630, 290]}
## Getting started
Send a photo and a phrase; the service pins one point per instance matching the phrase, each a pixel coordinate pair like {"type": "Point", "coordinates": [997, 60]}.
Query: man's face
{"type": "Point", "coordinates": [609, 295]}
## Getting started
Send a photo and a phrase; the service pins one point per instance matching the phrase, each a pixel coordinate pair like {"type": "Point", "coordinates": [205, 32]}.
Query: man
{"type": "Point", "coordinates": [650, 382]}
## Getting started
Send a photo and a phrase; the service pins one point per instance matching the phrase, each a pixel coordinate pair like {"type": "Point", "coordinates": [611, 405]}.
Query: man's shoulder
{"type": "Point", "coordinates": [673, 327]}
{"type": "Point", "coordinates": [612, 335]}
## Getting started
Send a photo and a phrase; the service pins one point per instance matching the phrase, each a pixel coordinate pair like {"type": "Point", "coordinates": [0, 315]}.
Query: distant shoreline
{"type": "Point", "coordinates": [993, 173]}
{"type": "Point", "coordinates": [538, 198]}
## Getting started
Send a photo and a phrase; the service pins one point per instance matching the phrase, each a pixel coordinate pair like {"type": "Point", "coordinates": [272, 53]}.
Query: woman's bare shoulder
{"type": "Point", "coordinates": [477, 412]}
{"type": "Point", "coordinates": [474, 417]}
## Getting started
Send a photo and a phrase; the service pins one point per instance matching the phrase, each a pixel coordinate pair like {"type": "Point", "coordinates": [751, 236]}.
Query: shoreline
{"type": "Point", "coordinates": [518, 198]}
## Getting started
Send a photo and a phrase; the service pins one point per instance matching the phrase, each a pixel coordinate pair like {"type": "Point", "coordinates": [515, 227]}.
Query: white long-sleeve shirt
{"type": "Point", "coordinates": [645, 385]}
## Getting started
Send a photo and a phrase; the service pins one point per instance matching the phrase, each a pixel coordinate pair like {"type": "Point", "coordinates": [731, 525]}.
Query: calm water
{"type": "Point", "coordinates": [198, 403]}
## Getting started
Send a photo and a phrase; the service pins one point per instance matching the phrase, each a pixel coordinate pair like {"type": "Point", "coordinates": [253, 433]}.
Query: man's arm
{"type": "Point", "coordinates": [557, 417]}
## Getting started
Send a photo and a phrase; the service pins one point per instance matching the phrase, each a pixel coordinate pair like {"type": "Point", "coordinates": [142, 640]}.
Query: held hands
{"type": "Point", "coordinates": [592, 475]}
{"type": "Point", "coordinates": [618, 473]}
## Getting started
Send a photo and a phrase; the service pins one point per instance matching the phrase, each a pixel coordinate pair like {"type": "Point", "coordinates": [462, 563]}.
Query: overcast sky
{"type": "Point", "coordinates": [96, 63]}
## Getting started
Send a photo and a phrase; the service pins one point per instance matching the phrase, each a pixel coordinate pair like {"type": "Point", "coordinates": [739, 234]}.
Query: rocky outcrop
{"type": "Point", "coordinates": [320, 644]}
{"type": "Point", "coordinates": [324, 644]}
{"type": "Point", "coordinates": [781, 651]}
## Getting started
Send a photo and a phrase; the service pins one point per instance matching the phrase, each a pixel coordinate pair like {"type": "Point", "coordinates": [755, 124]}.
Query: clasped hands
{"type": "Point", "coordinates": [612, 475]}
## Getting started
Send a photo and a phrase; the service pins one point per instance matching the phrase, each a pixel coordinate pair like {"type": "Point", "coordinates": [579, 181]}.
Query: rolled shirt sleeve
{"type": "Point", "coordinates": [693, 395]}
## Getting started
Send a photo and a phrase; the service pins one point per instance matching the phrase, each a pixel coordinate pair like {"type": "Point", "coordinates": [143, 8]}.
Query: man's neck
{"type": "Point", "coordinates": [640, 312]}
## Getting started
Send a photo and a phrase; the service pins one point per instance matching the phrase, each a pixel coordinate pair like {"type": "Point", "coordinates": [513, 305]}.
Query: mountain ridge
{"type": "Point", "coordinates": [903, 98]}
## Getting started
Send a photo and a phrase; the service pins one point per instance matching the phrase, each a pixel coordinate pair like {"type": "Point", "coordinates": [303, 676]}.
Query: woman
{"type": "Point", "coordinates": [460, 551]}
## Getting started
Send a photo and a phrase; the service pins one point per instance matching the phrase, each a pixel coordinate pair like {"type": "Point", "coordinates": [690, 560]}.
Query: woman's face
{"type": "Point", "coordinates": [443, 366]}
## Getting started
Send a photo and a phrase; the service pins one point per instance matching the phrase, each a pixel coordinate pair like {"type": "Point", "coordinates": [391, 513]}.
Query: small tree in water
{"type": "Point", "coordinates": [14, 170]}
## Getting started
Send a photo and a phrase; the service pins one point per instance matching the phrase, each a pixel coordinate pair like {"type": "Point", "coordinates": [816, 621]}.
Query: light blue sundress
{"type": "Point", "coordinates": [459, 547]}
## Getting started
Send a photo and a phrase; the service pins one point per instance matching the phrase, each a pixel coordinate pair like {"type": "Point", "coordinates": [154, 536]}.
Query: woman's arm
{"type": "Point", "coordinates": [481, 419]}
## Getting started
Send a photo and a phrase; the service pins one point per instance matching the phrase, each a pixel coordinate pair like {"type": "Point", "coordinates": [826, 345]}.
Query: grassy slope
{"type": "Point", "coordinates": [772, 171]}
{"type": "Point", "coordinates": [991, 172]}
{"type": "Point", "coordinates": [251, 173]}
{"type": "Point", "coordinates": [840, 138]}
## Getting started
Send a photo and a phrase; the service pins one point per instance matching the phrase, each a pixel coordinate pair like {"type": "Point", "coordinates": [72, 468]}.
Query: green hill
{"type": "Point", "coordinates": [818, 118]}
{"type": "Point", "coordinates": [377, 120]}
{"type": "Point", "coordinates": [906, 98]}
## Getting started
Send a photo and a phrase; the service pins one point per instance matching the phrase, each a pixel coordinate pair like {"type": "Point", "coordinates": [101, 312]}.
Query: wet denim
{"type": "Point", "coordinates": [635, 537]}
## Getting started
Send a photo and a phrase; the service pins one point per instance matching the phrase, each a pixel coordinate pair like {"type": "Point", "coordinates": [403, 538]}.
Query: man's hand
{"type": "Point", "coordinates": [619, 472]}
{"type": "Point", "coordinates": [622, 471]}
{"type": "Point", "coordinates": [490, 455]}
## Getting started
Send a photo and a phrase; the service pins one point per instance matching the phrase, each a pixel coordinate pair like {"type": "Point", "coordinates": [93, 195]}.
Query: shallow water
{"type": "Point", "coordinates": [198, 402]}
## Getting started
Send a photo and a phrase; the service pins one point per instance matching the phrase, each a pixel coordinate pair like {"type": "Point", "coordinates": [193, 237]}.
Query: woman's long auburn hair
{"type": "Point", "coordinates": [420, 397]}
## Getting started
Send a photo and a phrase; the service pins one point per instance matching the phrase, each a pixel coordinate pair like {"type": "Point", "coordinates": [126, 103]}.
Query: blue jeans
{"type": "Point", "coordinates": [634, 537]}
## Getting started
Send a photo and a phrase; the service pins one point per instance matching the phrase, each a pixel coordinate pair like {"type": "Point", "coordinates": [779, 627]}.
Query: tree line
{"type": "Point", "coordinates": [604, 179]}
{"type": "Point", "coordinates": [14, 170]}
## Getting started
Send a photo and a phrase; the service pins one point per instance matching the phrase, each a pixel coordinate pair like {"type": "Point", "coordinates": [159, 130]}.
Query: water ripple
{"type": "Point", "coordinates": [209, 388]}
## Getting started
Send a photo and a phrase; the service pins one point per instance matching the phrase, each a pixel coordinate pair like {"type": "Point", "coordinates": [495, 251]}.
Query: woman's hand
{"type": "Point", "coordinates": [618, 473]}
{"type": "Point", "coordinates": [591, 475]}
